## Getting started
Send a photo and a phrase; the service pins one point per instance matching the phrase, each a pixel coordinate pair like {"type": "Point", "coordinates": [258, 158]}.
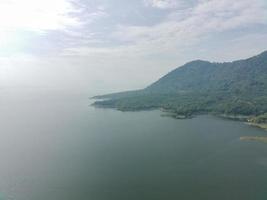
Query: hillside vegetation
{"type": "Point", "coordinates": [232, 88]}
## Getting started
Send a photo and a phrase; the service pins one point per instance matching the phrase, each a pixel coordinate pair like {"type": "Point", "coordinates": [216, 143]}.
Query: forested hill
{"type": "Point", "coordinates": [238, 87]}
{"type": "Point", "coordinates": [244, 76]}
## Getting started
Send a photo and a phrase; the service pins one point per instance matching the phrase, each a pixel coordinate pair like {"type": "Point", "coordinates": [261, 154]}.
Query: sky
{"type": "Point", "coordinates": [114, 45]}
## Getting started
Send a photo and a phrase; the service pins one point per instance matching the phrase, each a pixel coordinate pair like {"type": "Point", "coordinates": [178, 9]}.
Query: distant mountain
{"type": "Point", "coordinates": [248, 75]}
{"type": "Point", "coordinates": [237, 88]}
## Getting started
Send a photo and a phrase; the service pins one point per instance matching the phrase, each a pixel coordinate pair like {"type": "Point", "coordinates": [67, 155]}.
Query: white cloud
{"type": "Point", "coordinates": [162, 4]}
{"type": "Point", "coordinates": [174, 36]}
{"type": "Point", "coordinates": [102, 50]}
{"type": "Point", "coordinates": [178, 34]}
{"type": "Point", "coordinates": [19, 18]}
{"type": "Point", "coordinates": [20, 21]}
{"type": "Point", "coordinates": [206, 17]}
{"type": "Point", "coordinates": [37, 15]}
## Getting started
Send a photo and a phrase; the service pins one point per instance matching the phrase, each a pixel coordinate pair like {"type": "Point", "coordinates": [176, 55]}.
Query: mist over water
{"type": "Point", "coordinates": [54, 145]}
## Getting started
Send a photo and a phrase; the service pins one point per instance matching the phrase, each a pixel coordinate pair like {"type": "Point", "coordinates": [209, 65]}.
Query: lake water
{"type": "Point", "coordinates": [54, 146]}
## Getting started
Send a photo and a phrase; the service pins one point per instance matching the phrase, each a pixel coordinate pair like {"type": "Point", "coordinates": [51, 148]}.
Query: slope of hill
{"type": "Point", "coordinates": [236, 88]}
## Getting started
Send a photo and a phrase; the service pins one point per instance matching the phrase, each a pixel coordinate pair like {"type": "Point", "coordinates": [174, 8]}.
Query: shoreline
{"type": "Point", "coordinates": [169, 113]}
{"type": "Point", "coordinates": [241, 118]}
{"type": "Point", "coordinates": [261, 126]}
{"type": "Point", "coordinates": [262, 139]}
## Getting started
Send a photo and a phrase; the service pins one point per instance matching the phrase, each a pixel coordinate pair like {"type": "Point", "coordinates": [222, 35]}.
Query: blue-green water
{"type": "Point", "coordinates": [53, 146]}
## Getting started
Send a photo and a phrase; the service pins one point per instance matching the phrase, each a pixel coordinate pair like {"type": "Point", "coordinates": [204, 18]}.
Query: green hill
{"type": "Point", "coordinates": [232, 88]}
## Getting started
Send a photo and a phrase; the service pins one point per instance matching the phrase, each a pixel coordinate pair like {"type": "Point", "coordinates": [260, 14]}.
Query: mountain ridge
{"type": "Point", "coordinates": [237, 87]}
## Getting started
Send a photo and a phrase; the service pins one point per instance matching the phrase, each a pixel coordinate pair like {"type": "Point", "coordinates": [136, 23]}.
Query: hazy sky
{"type": "Point", "coordinates": [109, 45]}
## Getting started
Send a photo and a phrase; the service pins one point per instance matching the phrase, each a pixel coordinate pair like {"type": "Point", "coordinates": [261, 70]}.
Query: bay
{"type": "Point", "coordinates": [54, 145]}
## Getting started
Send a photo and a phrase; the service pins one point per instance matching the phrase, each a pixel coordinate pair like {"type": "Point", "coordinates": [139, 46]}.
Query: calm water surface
{"type": "Point", "coordinates": [53, 146]}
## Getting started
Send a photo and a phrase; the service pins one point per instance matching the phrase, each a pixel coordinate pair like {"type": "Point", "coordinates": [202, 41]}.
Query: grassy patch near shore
{"type": "Point", "coordinates": [254, 138]}
{"type": "Point", "coordinates": [263, 126]}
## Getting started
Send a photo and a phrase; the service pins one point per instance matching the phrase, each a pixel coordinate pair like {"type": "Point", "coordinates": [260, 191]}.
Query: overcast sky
{"type": "Point", "coordinates": [112, 45]}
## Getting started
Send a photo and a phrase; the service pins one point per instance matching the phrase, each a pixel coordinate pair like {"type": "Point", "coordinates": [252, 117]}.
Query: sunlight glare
{"type": "Point", "coordinates": [36, 16]}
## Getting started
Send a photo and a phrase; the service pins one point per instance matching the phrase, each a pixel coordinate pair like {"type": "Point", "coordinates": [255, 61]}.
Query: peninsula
{"type": "Point", "coordinates": [237, 89]}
